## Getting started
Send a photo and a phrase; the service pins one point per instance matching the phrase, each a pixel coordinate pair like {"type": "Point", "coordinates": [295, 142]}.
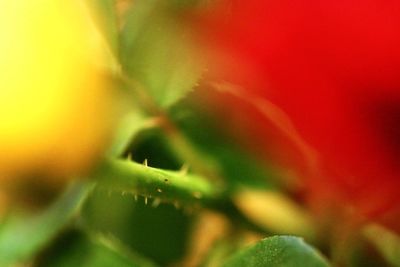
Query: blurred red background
{"type": "Point", "coordinates": [334, 68]}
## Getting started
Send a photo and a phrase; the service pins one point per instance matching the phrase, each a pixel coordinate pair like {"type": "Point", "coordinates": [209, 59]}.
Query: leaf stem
{"type": "Point", "coordinates": [177, 187]}
{"type": "Point", "coordinates": [167, 186]}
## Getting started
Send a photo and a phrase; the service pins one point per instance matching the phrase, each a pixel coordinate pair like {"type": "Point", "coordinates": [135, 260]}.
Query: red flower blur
{"type": "Point", "coordinates": [334, 68]}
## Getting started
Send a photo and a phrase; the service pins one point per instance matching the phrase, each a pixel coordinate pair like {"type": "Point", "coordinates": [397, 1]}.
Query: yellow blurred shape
{"type": "Point", "coordinates": [53, 94]}
{"type": "Point", "coordinates": [385, 241]}
{"type": "Point", "coordinates": [274, 212]}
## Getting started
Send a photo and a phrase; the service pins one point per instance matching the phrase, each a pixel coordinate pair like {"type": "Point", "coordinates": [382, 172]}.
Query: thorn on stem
{"type": "Point", "coordinates": [156, 202]}
{"type": "Point", "coordinates": [176, 205]}
{"type": "Point", "coordinates": [184, 169]}
{"type": "Point", "coordinates": [145, 163]}
{"type": "Point", "coordinates": [197, 195]}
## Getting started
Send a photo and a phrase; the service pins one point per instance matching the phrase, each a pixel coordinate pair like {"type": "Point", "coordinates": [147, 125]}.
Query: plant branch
{"type": "Point", "coordinates": [166, 186]}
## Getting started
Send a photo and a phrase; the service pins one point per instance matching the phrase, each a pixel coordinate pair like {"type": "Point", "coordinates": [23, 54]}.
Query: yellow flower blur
{"type": "Point", "coordinates": [53, 96]}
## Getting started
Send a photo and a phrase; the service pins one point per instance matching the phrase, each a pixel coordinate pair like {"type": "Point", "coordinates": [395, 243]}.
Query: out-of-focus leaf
{"type": "Point", "coordinates": [22, 237]}
{"type": "Point", "coordinates": [236, 166]}
{"type": "Point", "coordinates": [385, 241]}
{"type": "Point", "coordinates": [157, 50]}
{"type": "Point", "coordinates": [278, 251]}
{"type": "Point", "coordinates": [275, 212]}
{"type": "Point", "coordinates": [105, 13]}
{"type": "Point", "coordinates": [130, 127]}
{"type": "Point", "coordinates": [76, 249]}
{"type": "Point", "coordinates": [158, 233]}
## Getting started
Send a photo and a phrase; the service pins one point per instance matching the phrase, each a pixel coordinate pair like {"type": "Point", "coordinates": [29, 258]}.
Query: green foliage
{"type": "Point", "coordinates": [76, 249]}
{"type": "Point", "coordinates": [278, 251]}
{"type": "Point", "coordinates": [236, 166]}
{"type": "Point", "coordinates": [22, 237]}
{"type": "Point", "coordinates": [131, 125]}
{"type": "Point", "coordinates": [104, 12]}
{"type": "Point", "coordinates": [132, 214]}
{"type": "Point", "coordinates": [158, 51]}
{"type": "Point", "coordinates": [158, 233]}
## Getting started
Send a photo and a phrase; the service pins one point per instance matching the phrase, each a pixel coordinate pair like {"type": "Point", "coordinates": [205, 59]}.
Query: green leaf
{"type": "Point", "coordinates": [157, 50]}
{"type": "Point", "coordinates": [77, 249]}
{"type": "Point", "coordinates": [106, 16]}
{"type": "Point", "coordinates": [130, 126]}
{"type": "Point", "coordinates": [159, 233]}
{"type": "Point", "coordinates": [22, 237]}
{"type": "Point", "coordinates": [385, 241]}
{"type": "Point", "coordinates": [278, 251]}
{"type": "Point", "coordinates": [237, 166]}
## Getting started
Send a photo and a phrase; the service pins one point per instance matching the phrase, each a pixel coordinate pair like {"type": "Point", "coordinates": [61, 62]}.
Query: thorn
{"type": "Point", "coordinates": [156, 202]}
{"type": "Point", "coordinates": [145, 200]}
{"type": "Point", "coordinates": [159, 190]}
{"type": "Point", "coordinates": [176, 205]}
{"type": "Point", "coordinates": [145, 163]}
{"type": "Point", "coordinates": [197, 195]}
{"type": "Point", "coordinates": [184, 169]}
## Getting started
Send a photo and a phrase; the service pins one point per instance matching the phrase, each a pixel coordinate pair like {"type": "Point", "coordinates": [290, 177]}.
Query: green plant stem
{"type": "Point", "coordinates": [177, 187]}
{"type": "Point", "coordinates": [206, 188]}
{"type": "Point", "coordinates": [166, 186]}
{"type": "Point", "coordinates": [23, 237]}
